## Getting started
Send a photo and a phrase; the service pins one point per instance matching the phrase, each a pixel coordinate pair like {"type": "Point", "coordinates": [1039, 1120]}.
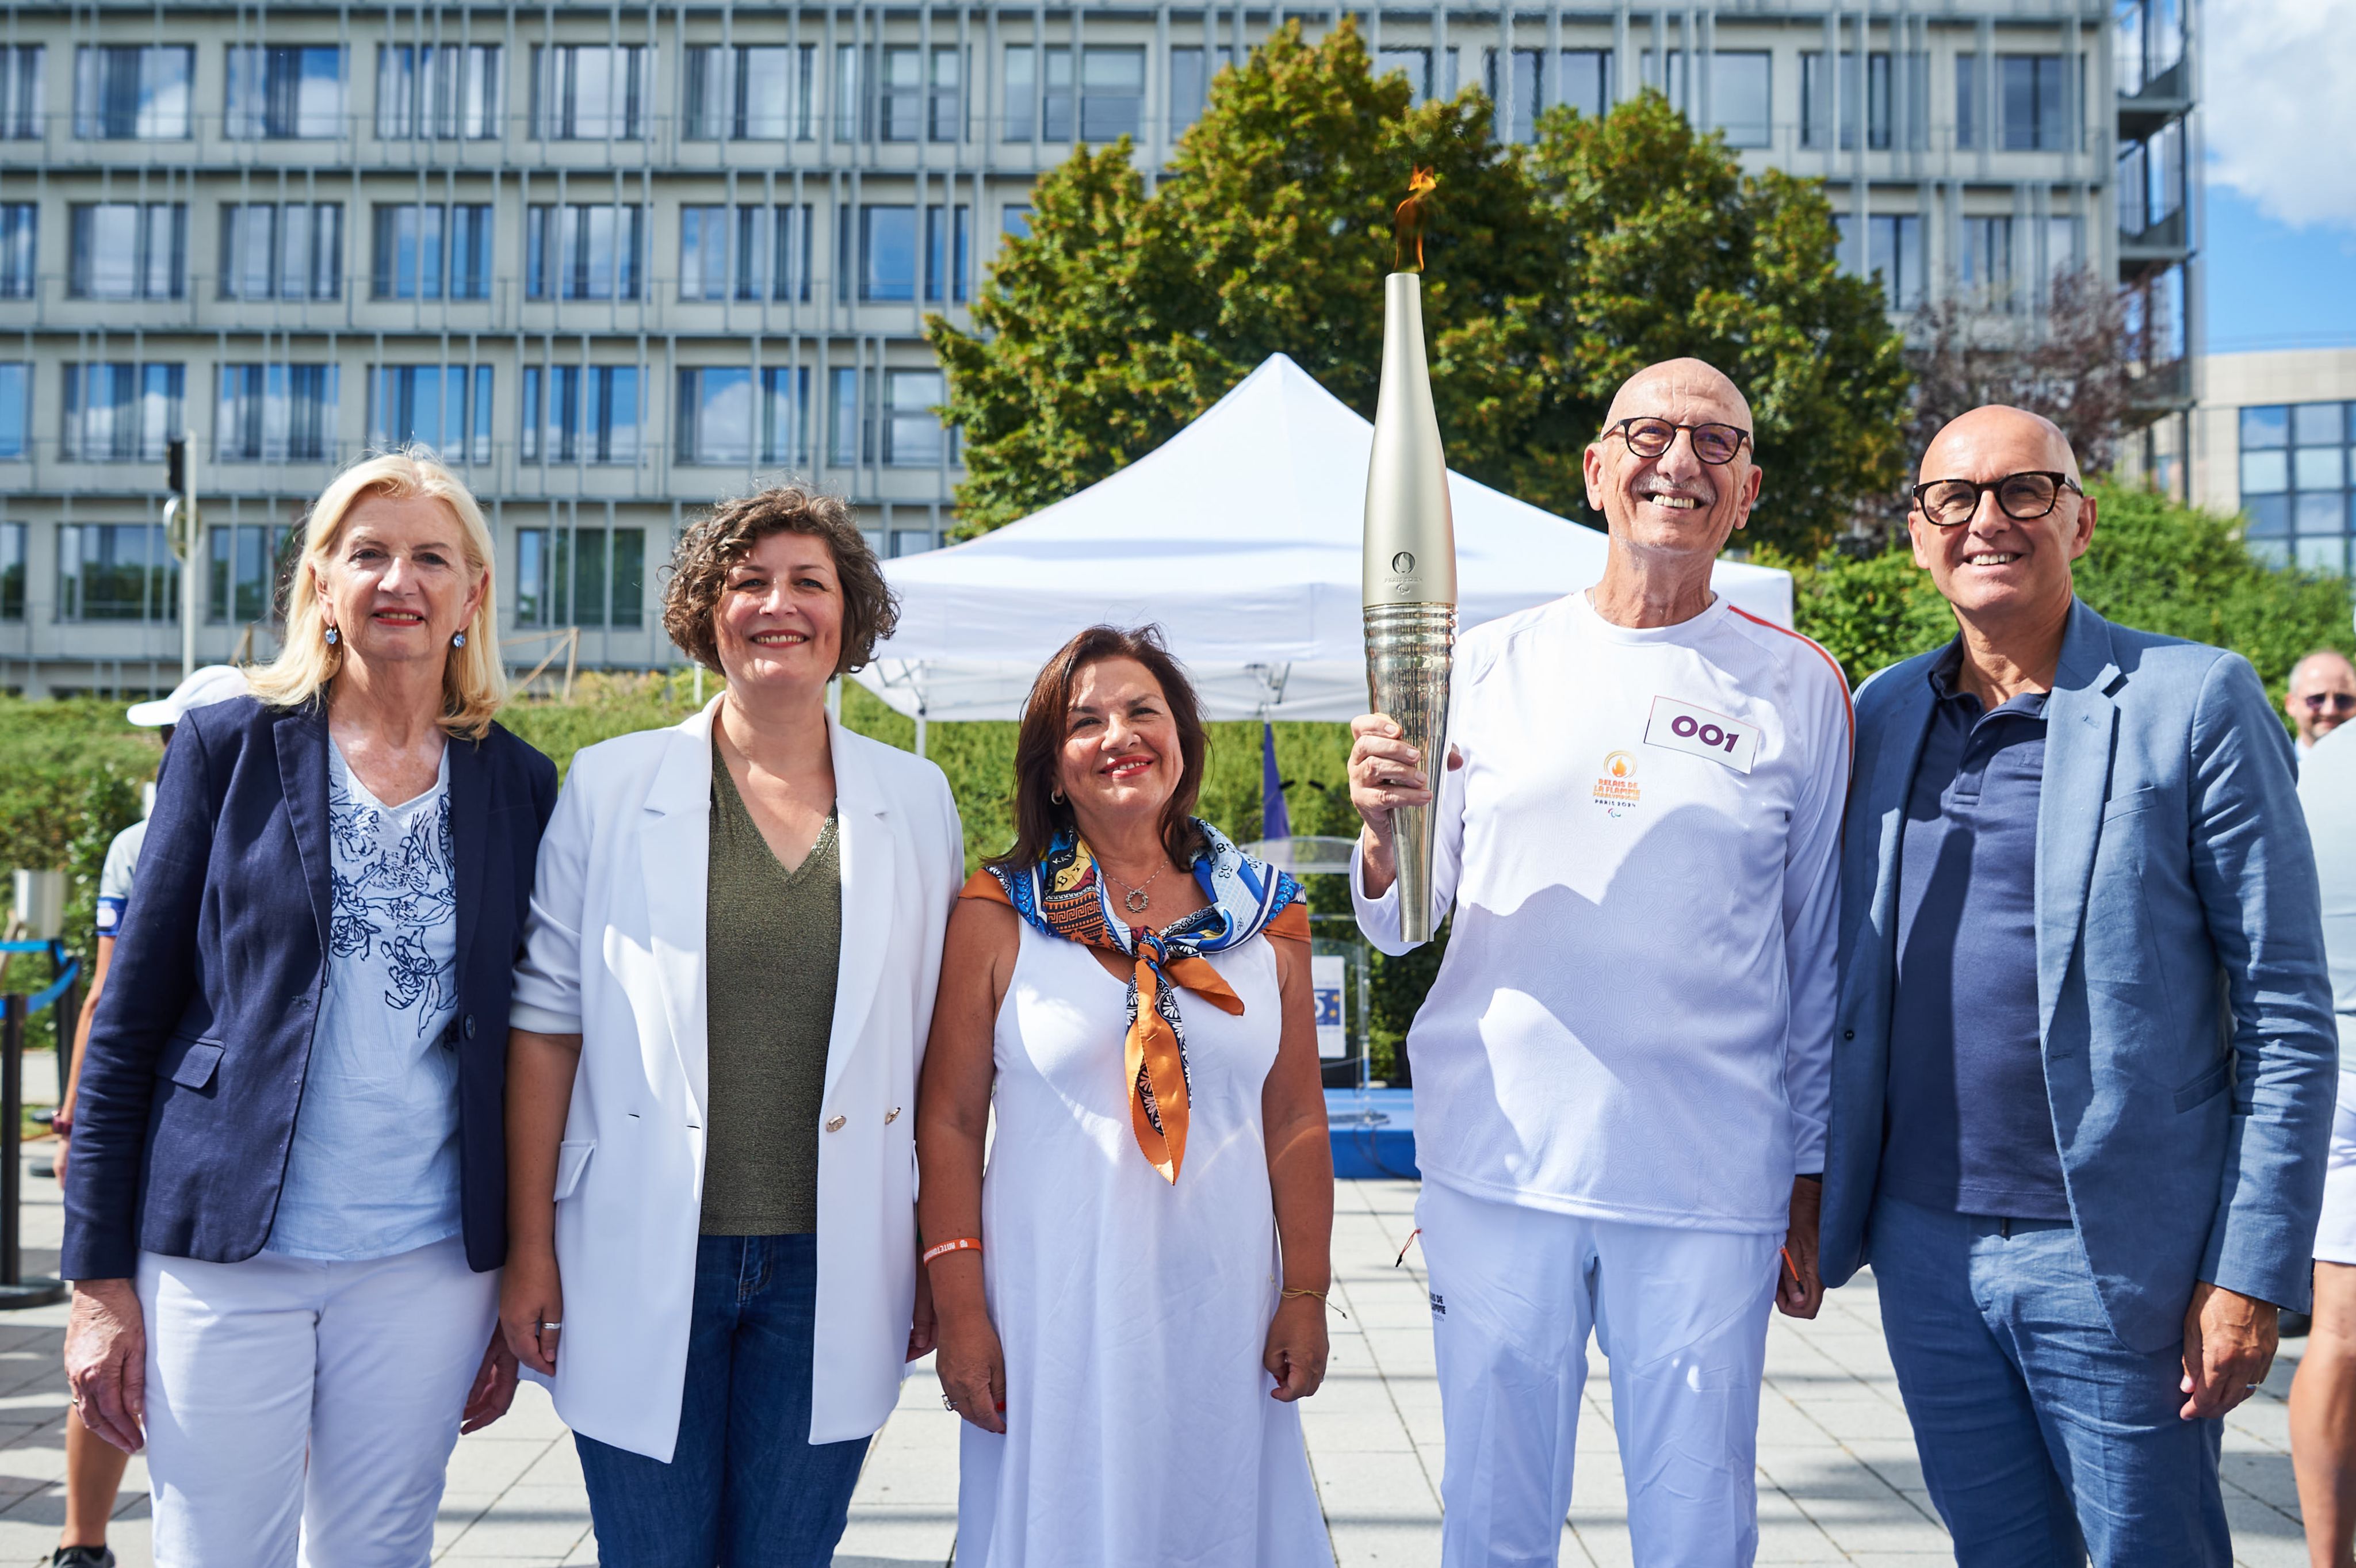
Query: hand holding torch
{"type": "Point", "coordinates": [1409, 572]}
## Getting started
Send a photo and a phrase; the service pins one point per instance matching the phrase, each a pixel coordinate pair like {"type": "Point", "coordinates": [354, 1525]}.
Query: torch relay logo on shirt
{"type": "Point", "coordinates": [1617, 789]}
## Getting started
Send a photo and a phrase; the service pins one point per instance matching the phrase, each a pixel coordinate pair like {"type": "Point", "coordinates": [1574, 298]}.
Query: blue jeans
{"type": "Point", "coordinates": [746, 1487]}
{"type": "Point", "coordinates": [2043, 1440]}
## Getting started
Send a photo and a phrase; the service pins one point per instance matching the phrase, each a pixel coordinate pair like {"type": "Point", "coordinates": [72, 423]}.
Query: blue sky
{"type": "Point", "coordinates": [2270, 286]}
{"type": "Point", "coordinates": [2278, 112]}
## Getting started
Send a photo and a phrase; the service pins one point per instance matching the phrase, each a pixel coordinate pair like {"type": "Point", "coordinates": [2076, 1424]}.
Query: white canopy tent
{"type": "Point", "coordinates": [1241, 537]}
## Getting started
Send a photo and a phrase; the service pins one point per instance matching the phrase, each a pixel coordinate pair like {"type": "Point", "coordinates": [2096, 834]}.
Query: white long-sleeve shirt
{"type": "Point", "coordinates": [1634, 1019]}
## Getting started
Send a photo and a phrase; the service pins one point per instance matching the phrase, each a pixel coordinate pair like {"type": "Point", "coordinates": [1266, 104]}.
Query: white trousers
{"type": "Point", "coordinates": [1682, 1316]}
{"type": "Point", "coordinates": [305, 1411]}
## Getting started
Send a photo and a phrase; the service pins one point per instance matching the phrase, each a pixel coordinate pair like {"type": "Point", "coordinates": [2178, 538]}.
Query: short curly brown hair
{"type": "Point", "coordinates": [699, 569]}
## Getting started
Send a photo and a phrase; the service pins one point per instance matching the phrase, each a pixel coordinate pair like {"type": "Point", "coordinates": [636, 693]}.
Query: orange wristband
{"type": "Point", "coordinates": [962, 1244]}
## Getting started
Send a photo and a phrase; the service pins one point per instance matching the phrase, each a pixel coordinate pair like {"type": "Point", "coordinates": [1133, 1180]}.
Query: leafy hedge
{"type": "Point", "coordinates": [70, 770]}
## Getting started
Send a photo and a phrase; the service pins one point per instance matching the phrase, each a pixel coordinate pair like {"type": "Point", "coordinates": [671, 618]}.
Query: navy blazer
{"type": "Point", "coordinates": [2184, 1005]}
{"type": "Point", "coordinates": [196, 1061]}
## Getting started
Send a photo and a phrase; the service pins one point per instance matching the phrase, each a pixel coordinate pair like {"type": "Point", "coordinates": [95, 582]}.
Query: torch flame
{"type": "Point", "coordinates": [1407, 220]}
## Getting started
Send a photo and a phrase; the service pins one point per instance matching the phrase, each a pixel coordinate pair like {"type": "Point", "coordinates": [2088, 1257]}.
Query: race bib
{"type": "Point", "coordinates": [1697, 732]}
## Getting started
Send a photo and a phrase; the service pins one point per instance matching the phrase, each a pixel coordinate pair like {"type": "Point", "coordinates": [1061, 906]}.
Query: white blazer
{"type": "Point", "coordinates": [614, 952]}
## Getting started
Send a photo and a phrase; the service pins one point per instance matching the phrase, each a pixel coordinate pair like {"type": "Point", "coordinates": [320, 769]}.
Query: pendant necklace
{"type": "Point", "coordinates": [1137, 899]}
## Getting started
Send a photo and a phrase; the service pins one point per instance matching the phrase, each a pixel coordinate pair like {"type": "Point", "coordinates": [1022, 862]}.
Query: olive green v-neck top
{"type": "Point", "coordinates": [773, 939]}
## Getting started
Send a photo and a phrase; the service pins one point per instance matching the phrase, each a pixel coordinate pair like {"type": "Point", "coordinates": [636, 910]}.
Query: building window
{"type": "Point", "coordinates": [1582, 82]}
{"type": "Point", "coordinates": [12, 571]}
{"type": "Point", "coordinates": [242, 571]}
{"type": "Point", "coordinates": [19, 227]}
{"type": "Point", "coordinates": [129, 250]}
{"type": "Point", "coordinates": [276, 413]}
{"type": "Point", "coordinates": [132, 93]}
{"type": "Point", "coordinates": [1111, 93]}
{"type": "Point", "coordinates": [445, 407]}
{"type": "Point", "coordinates": [1968, 102]}
{"type": "Point", "coordinates": [1529, 84]}
{"type": "Point", "coordinates": [1984, 263]}
{"type": "Point", "coordinates": [274, 251]}
{"type": "Point", "coordinates": [1872, 97]}
{"type": "Point", "coordinates": [715, 416]}
{"type": "Point", "coordinates": [919, 97]}
{"type": "Point", "coordinates": [438, 91]}
{"type": "Point", "coordinates": [785, 415]}
{"type": "Point", "coordinates": [431, 251]}
{"type": "Point", "coordinates": [1413, 64]}
{"type": "Point", "coordinates": [588, 92]}
{"type": "Point", "coordinates": [593, 413]}
{"type": "Point", "coordinates": [284, 94]}
{"type": "Point", "coordinates": [1894, 254]}
{"type": "Point", "coordinates": [850, 104]}
{"type": "Point", "coordinates": [116, 571]}
{"type": "Point", "coordinates": [2151, 182]}
{"type": "Point", "coordinates": [845, 446]}
{"type": "Point", "coordinates": [947, 246]}
{"type": "Point", "coordinates": [1191, 70]}
{"type": "Point", "coordinates": [745, 252]}
{"type": "Point", "coordinates": [2296, 482]}
{"type": "Point", "coordinates": [119, 413]}
{"type": "Point", "coordinates": [887, 253]}
{"type": "Point", "coordinates": [750, 94]}
{"type": "Point", "coordinates": [1740, 94]}
{"type": "Point", "coordinates": [2030, 108]}
{"type": "Point", "coordinates": [2064, 246]}
{"type": "Point", "coordinates": [1014, 220]}
{"type": "Point", "coordinates": [15, 404]}
{"type": "Point", "coordinates": [20, 95]}
{"type": "Point", "coordinates": [913, 435]}
{"type": "Point", "coordinates": [581, 576]}
{"type": "Point", "coordinates": [1586, 77]}
{"type": "Point", "coordinates": [2146, 40]}
{"type": "Point", "coordinates": [580, 251]}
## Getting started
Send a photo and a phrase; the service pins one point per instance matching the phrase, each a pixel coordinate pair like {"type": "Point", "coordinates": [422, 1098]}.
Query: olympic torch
{"type": "Point", "coordinates": [1409, 573]}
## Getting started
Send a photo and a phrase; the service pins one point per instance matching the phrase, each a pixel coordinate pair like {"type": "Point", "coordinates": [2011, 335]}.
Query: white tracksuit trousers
{"type": "Point", "coordinates": [1681, 1317]}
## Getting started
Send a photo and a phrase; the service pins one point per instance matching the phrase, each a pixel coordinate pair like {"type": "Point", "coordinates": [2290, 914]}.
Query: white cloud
{"type": "Point", "coordinates": [2278, 102]}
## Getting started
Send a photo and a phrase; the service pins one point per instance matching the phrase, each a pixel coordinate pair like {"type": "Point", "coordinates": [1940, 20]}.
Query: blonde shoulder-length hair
{"type": "Point", "coordinates": [473, 680]}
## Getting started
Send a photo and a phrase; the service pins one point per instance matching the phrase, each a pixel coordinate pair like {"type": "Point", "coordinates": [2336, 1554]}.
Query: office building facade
{"type": "Point", "coordinates": [617, 262]}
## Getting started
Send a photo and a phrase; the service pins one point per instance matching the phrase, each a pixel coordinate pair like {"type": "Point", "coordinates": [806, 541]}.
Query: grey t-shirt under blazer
{"type": "Point", "coordinates": [773, 941]}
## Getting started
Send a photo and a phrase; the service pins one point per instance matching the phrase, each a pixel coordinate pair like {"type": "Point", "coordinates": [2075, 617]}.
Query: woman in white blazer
{"type": "Point", "coordinates": [718, 1020]}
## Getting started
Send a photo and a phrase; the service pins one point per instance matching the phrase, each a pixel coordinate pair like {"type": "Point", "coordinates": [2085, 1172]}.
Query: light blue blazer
{"type": "Point", "coordinates": [2183, 999]}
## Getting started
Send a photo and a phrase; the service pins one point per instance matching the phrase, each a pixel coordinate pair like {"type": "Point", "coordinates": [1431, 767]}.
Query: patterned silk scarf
{"type": "Point", "coordinates": [1067, 896]}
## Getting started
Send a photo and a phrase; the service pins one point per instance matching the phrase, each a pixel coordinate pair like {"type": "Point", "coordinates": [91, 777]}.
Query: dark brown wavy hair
{"type": "Point", "coordinates": [1046, 716]}
{"type": "Point", "coordinates": [699, 569]}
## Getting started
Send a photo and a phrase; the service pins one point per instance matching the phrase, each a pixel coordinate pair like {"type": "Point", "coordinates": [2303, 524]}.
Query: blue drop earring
{"type": "Point", "coordinates": [331, 637]}
{"type": "Point", "coordinates": [458, 639]}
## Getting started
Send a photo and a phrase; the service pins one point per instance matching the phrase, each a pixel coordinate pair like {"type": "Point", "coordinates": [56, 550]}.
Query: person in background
{"type": "Point", "coordinates": [2322, 696]}
{"type": "Point", "coordinates": [1620, 1071]}
{"type": "Point", "coordinates": [2323, 1393]}
{"type": "Point", "coordinates": [2083, 1076]}
{"type": "Point", "coordinates": [1127, 995]}
{"type": "Point", "coordinates": [719, 1016]}
{"type": "Point", "coordinates": [284, 1206]}
{"type": "Point", "coordinates": [93, 1467]}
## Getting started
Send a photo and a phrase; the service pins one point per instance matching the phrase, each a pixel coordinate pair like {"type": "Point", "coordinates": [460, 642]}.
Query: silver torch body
{"type": "Point", "coordinates": [1409, 580]}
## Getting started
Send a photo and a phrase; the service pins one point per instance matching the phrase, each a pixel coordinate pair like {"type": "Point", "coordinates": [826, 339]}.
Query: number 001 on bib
{"type": "Point", "coordinates": [1681, 727]}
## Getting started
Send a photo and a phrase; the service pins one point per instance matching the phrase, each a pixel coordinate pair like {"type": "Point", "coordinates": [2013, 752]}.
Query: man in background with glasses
{"type": "Point", "coordinates": [2086, 1064]}
{"type": "Point", "coordinates": [1620, 1071]}
{"type": "Point", "coordinates": [2322, 698]}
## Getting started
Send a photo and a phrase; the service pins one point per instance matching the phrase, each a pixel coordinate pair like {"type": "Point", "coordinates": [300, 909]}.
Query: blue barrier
{"type": "Point", "coordinates": [40, 999]}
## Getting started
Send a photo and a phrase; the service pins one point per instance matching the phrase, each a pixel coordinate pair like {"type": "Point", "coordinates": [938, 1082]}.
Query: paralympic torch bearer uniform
{"type": "Point", "coordinates": [1625, 1058]}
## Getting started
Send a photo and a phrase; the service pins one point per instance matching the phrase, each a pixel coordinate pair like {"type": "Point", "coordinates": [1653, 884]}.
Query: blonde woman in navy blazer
{"type": "Point", "coordinates": [284, 1214]}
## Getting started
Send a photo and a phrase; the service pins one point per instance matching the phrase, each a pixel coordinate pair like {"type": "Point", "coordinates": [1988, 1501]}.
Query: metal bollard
{"type": "Point", "coordinates": [16, 1291]}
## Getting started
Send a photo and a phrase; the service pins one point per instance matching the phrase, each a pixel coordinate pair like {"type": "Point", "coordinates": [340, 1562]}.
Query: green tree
{"type": "Point", "coordinates": [1551, 274]}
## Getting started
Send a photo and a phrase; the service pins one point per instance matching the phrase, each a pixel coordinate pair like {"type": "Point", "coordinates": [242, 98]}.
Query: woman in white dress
{"type": "Point", "coordinates": [1132, 1298]}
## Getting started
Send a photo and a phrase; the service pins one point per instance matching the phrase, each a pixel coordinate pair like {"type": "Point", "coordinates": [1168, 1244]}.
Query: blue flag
{"type": "Point", "coordinates": [1275, 821]}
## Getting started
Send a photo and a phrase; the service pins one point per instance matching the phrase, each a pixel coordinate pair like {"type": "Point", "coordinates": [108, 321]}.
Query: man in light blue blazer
{"type": "Point", "coordinates": [2084, 1061]}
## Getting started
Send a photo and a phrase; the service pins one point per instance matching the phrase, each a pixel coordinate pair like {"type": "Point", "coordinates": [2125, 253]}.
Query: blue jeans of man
{"type": "Point", "coordinates": [2043, 1440]}
{"type": "Point", "coordinates": [746, 1487]}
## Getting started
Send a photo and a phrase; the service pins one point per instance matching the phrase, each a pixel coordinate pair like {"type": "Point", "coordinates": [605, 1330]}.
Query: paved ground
{"type": "Point", "coordinates": [1838, 1478]}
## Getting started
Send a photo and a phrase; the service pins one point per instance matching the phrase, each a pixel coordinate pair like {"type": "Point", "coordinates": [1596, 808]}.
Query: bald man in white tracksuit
{"type": "Point", "coordinates": [1622, 1070]}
